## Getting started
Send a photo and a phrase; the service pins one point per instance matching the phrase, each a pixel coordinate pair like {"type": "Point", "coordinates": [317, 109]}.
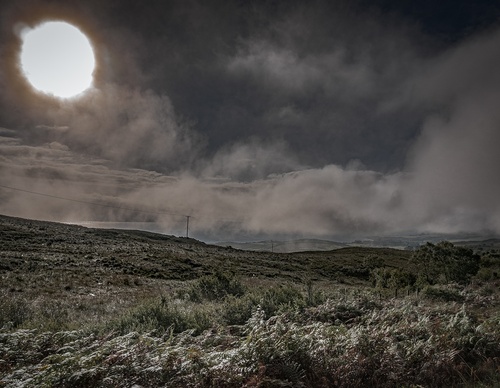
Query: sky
{"type": "Point", "coordinates": [262, 119]}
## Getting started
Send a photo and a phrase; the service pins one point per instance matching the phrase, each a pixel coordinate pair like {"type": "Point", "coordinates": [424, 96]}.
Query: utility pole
{"type": "Point", "coordinates": [187, 226]}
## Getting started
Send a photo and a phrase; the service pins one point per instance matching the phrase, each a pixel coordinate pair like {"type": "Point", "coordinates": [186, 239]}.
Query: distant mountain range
{"type": "Point", "coordinates": [406, 241]}
{"type": "Point", "coordinates": [399, 242]}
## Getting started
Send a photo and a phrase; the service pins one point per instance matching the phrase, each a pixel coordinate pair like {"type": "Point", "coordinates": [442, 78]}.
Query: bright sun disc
{"type": "Point", "coordinates": [58, 59]}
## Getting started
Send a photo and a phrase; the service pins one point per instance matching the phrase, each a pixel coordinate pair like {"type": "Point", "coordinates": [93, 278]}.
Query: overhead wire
{"type": "Point", "coordinates": [169, 213]}
{"type": "Point", "coordinates": [92, 203]}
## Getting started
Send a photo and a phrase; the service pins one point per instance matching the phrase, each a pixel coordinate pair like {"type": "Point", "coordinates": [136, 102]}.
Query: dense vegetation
{"type": "Point", "coordinates": [88, 308]}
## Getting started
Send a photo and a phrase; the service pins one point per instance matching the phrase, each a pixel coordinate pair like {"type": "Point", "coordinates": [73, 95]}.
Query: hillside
{"type": "Point", "coordinates": [82, 307]}
{"type": "Point", "coordinates": [85, 256]}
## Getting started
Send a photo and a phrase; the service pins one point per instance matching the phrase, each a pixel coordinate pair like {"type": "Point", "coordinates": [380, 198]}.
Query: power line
{"type": "Point", "coordinates": [90, 203]}
{"type": "Point", "coordinates": [188, 217]}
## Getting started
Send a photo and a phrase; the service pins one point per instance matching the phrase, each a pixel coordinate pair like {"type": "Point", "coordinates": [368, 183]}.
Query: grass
{"type": "Point", "coordinates": [110, 308]}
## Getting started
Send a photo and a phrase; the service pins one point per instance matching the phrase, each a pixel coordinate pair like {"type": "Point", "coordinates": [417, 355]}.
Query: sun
{"type": "Point", "coordinates": [57, 59]}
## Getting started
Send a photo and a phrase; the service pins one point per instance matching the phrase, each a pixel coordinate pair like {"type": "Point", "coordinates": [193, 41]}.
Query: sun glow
{"type": "Point", "coordinates": [57, 59]}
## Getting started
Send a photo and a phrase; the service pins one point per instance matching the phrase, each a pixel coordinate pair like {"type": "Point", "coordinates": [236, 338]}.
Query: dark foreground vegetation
{"type": "Point", "coordinates": [100, 308]}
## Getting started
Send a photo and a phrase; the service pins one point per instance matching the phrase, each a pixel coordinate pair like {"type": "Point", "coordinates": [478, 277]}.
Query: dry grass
{"type": "Point", "coordinates": [88, 308]}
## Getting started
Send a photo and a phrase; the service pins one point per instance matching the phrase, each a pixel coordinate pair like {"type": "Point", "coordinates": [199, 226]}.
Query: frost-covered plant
{"type": "Point", "coordinates": [280, 299]}
{"type": "Point", "coordinates": [162, 315]}
{"type": "Point", "coordinates": [237, 310]}
{"type": "Point", "coordinates": [400, 342]}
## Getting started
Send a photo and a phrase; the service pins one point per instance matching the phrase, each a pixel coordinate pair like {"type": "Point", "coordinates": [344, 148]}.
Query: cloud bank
{"type": "Point", "coordinates": [303, 120]}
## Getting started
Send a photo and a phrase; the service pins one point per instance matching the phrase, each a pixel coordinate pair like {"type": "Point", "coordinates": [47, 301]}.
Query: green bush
{"type": "Point", "coordinates": [445, 263]}
{"type": "Point", "coordinates": [394, 279]}
{"type": "Point", "coordinates": [161, 316]}
{"type": "Point", "coordinates": [215, 287]}
{"type": "Point", "coordinates": [281, 299]}
{"type": "Point", "coordinates": [442, 293]}
{"type": "Point", "coordinates": [237, 311]}
{"type": "Point", "coordinates": [274, 300]}
{"type": "Point", "coordinates": [487, 274]}
{"type": "Point", "coordinates": [490, 259]}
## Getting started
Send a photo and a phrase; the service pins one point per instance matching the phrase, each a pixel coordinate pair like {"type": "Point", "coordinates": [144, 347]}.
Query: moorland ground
{"type": "Point", "coordinates": [93, 307]}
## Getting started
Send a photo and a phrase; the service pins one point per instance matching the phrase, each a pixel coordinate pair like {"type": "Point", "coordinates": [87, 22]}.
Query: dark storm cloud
{"type": "Point", "coordinates": [311, 76]}
{"type": "Point", "coordinates": [286, 118]}
{"type": "Point", "coordinates": [314, 75]}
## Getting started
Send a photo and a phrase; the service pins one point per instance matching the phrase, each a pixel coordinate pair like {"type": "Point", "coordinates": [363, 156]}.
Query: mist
{"type": "Point", "coordinates": [305, 121]}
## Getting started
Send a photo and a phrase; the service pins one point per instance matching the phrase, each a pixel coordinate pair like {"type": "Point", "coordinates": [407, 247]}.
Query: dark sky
{"type": "Point", "coordinates": [317, 118]}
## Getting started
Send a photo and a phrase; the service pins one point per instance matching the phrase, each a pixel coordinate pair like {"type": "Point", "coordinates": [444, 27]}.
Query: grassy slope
{"type": "Point", "coordinates": [129, 295]}
{"type": "Point", "coordinates": [86, 257]}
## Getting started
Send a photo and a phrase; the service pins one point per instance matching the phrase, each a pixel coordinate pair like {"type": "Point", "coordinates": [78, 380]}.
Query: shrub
{"type": "Point", "coordinates": [14, 312]}
{"type": "Point", "coordinates": [313, 297]}
{"type": "Point", "coordinates": [274, 300]}
{"type": "Point", "coordinates": [161, 316]}
{"type": "Point", "coordinates": [281, 299]}
{"type": "Point", "coordinates": [237, 311]}
{"type": "Point", "coordinates": [444, 263]}
{"type": "Point", "coordinates": [215, 287]}
{"type": "Point", "coordinates": [393, 279]}
{"type": "Point", "coordinates": [443, 293]}
{"type": "Point", "coordinates": [490, 259]}
{"type": "Point", "coordinates": [486, 274]}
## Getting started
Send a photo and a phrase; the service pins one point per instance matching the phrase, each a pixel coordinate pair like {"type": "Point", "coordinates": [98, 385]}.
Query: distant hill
{"type": "Point", "coordinates": [491, 243]}
{"type": "Point", "coordinates": [31, 252]}
{"type": "Point", "coordinates": [409, 242]}
{"type": "Point", "coordinates": [301, 245]}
